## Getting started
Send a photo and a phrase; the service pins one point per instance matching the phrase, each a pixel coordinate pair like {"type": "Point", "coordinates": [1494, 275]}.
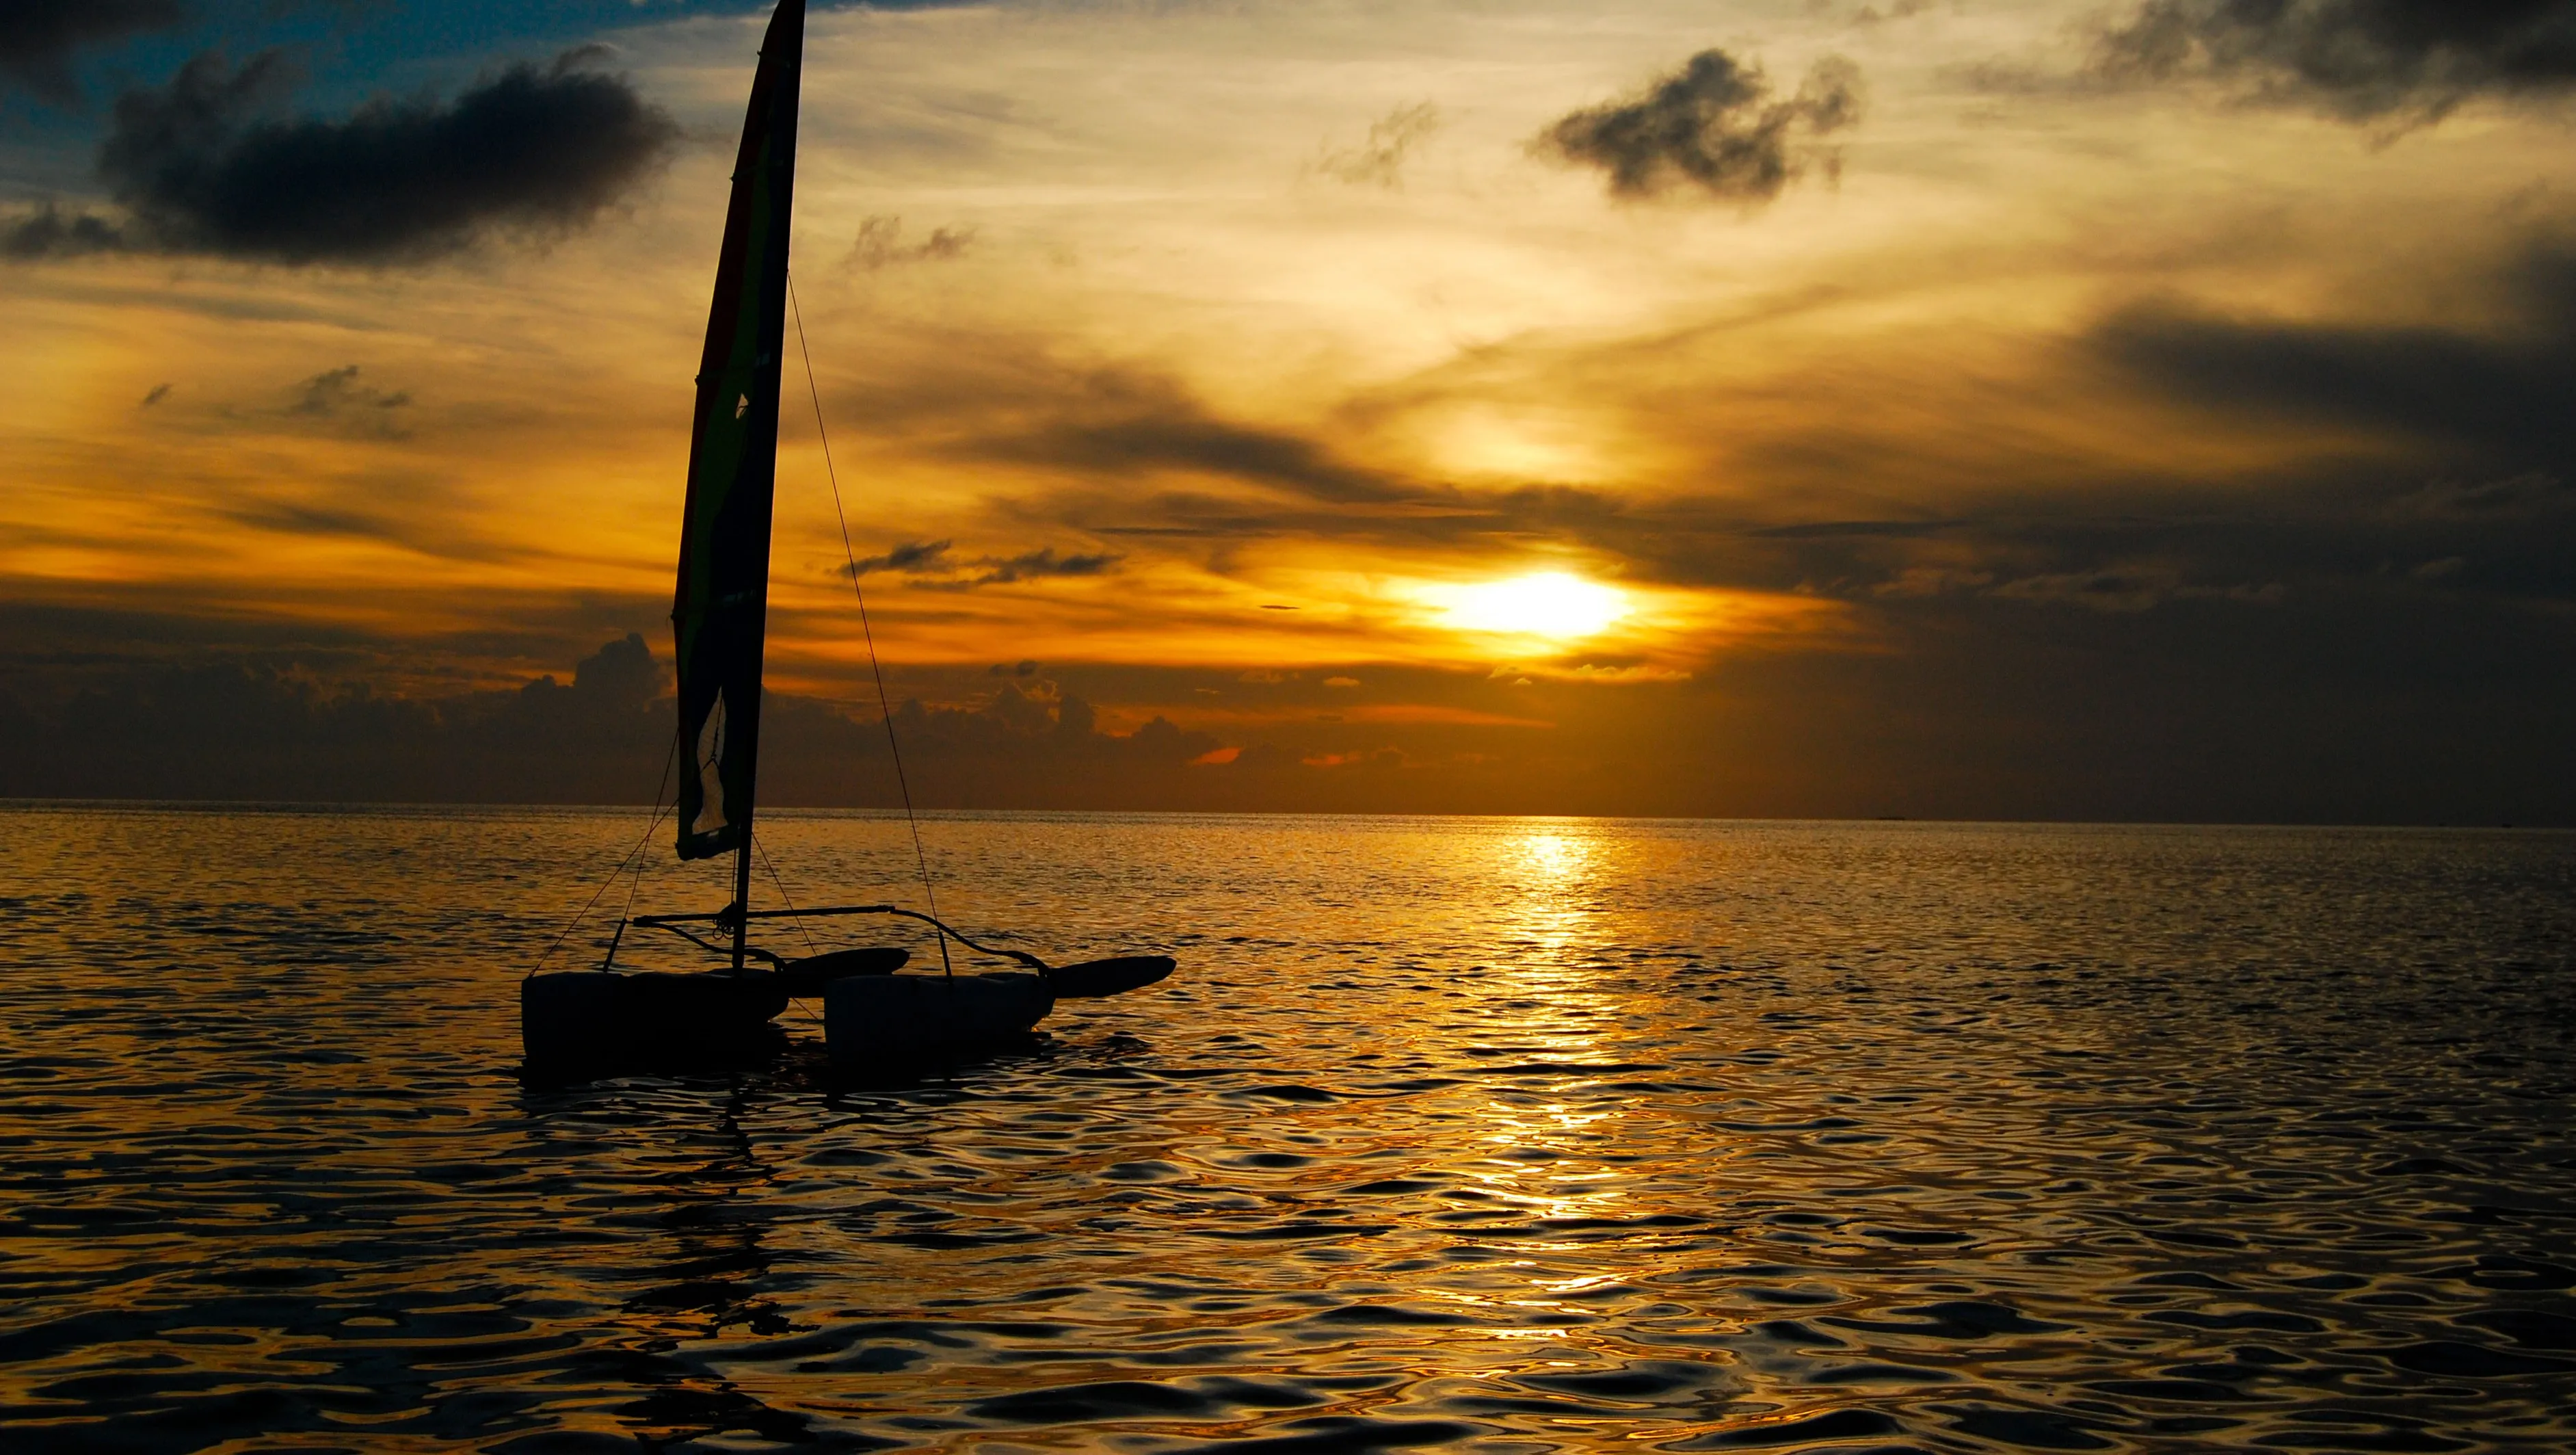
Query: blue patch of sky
{"type": "Point", "coordinates": [349, 51]}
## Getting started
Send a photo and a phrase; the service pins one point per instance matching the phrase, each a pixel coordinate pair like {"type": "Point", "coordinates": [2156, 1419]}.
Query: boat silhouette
{"type": "Point", "coordinates": [605, 1020]}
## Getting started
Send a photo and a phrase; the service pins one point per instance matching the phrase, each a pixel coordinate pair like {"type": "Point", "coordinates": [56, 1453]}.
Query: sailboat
{"type": "Point", "coordinates": [873, 1016]}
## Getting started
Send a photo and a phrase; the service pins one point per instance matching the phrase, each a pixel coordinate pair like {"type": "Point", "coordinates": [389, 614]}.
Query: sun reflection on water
{"type": "Point", "coordinates": [1542, 1158]}
{"type": "Point", "coordinates": [1550, 870]}
{"type": "Point", "coordinates": [1554, 855]}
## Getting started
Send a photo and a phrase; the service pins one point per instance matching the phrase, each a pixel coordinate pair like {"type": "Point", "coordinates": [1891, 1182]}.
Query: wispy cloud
{"type": "Point", "coordinates": [1379, 161]}
{"type": "Point", "coordinates": [337, 397]}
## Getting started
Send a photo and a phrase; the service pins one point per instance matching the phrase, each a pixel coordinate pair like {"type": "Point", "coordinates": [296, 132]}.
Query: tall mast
{"type": "Point", "coordinates": [742, 896]}
{"type": "Point", "coordinates": [719, 614]}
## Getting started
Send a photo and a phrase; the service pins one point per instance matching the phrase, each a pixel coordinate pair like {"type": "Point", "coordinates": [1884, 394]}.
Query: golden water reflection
{"type": "Point", "coordinates": [1549, 873]}
{"type": "Point", "coordinates": [1528, 1136]}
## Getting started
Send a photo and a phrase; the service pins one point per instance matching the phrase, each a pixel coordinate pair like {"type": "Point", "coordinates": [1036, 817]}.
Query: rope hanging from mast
{"type": "Point", "coordinates": [659, 813]}
{"type": "Point", "coordinates": [885, 706]}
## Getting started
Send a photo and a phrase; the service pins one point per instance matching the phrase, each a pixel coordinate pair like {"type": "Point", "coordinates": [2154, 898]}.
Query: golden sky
{"type": "Point", "coordinates": [1901, 411]}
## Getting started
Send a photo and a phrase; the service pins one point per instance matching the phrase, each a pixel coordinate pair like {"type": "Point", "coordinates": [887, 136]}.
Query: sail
{"type": "Point", "coordinates": [720, 614]}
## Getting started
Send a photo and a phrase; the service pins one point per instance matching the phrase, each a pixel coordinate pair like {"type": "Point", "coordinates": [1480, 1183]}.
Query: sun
{"type": "Point", "coordinates": [1549, 604]}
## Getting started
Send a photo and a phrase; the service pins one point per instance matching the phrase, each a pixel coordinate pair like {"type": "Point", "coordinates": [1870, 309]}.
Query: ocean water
{"type": "Point", "coordinates": [1492, 1135]}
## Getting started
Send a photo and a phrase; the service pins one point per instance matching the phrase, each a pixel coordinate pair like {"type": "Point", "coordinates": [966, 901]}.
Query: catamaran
{"type": "Point", "coordinates": [873, 1016]}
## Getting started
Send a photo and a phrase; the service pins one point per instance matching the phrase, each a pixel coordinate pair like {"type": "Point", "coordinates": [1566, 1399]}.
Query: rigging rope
{"type": "Point", "coordinates": [784, 898]}
{"type": "Point", "coordinates": [627, 911]}
{"type": "Point", "coordinates": [669, 760]}
{"type": "Point", "coordinates": [772, 866]}
{"type": "Point", "coordinates": [885, 708]}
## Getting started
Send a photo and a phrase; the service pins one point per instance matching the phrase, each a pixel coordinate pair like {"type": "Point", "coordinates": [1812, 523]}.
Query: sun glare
{"type": "Point", "coordinates": [1545, 604]}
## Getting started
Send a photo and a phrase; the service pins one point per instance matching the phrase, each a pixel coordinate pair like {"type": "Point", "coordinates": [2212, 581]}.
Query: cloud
{"type": "Point", "coordinates": [2132, 589]}
{"type": "Point", "coordinates": [39, 37]}
{"type": "Point", "coordinates": [1619, 672]}
{"type": "Point", "coordinates": [203, 166]}
{"type": "Point", "coordinates": [1122, 426]}
{"type": "Point", "coordinates": [1914, 581]}
{"type": "Point", "coordinates": [2515, 497]}
{"type": "Point", "coordinates": [1047, 563]}
{"type": "Point", "coordinates": [910, 556]}
{"type": "Point", "coordinates": [227, 725]}
{"type": "Point", "coordinates": [930, 564]}
{"type": "Point", "coordinates": [2506, 393]}
{"type": "Point", "coordinates": [879, 244]}
{"type": "Point", "coordinates": [1711, 125]}
{"type": "Point", "coordinates": [620, 674]}
{"type": "Point", "coordinates": [1828, 529]}
{"type": "Point", "coordinates": [1029, 565]}
{"type": "Point", "coordinates": [2348, 412]}
{"type": "Point", "coordinates": [1868, 15]}
{"type": "Point", "coordinates": [337, 401]}
{"type": "Point", "coordinates": [51, 232]}
{"type": "Point", "coordinates": [337, 391]}
{"type": "Point", "coordinates": [2359, 60]}
{"type": "Point", "coordinates": [1379, 161]}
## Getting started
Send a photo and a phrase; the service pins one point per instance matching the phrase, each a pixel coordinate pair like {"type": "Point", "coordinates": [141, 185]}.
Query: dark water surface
{"type": "Point", "coordinates": [1500, 1135]}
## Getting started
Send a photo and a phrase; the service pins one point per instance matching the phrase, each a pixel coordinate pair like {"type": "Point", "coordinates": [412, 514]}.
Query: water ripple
{"type": "Point", "coordinates": [1501, 1135]}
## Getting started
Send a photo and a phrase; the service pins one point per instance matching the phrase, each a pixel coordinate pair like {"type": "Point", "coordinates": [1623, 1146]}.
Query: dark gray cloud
{"type": "Point", "coordinates": [931, 564]}
{"type": "Point", "coordinates": [1005, 399]}
{"type": "Point", "coordinates": [267, 726]}
{"type": "Point", "coordinates": [1121, 426]}
{"type": "Point", "coordinates": [38, 38]}
{"type": "Point", "coordinates": [1045, 562]}
{"type": "Point", "coordinates": [2386, 697]}
{"type": "Point", "coordinates": [204, 165]}
{"type": "Point", "coordinates": [934, 565]}
{"type": "Point", "coordinates": [880, 244]}
{"type": "Point", "coordinates": [224, 725]}
{"type": "Point", "coordinates": [2395, 708]}
{"type": "Point", "coordinates": [1713, 126]}
{"type": "Point", "coordinates": [910, 556]}
{"type": "Point", "coordinates": [2504, 395]}
{"type": "Point", "coordinates": [2357, 59]}
{"type": "Point", "coordinates": [51, 232]}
